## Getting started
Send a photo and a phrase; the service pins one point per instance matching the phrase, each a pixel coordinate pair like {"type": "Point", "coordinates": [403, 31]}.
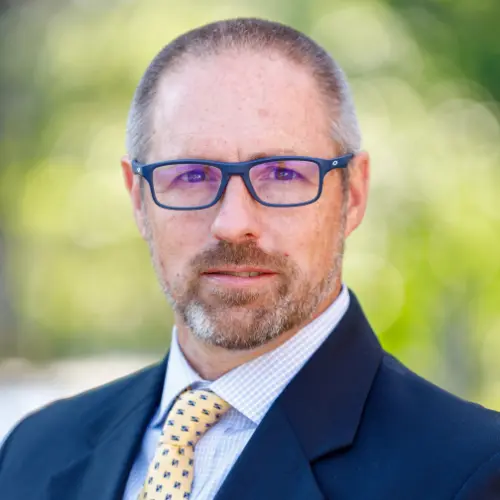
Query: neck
{"type": "Point", "coordinates": [211, 362]}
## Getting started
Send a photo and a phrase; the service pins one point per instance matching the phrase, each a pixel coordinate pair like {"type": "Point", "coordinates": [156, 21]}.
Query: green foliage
{"type": "Point", "coordinates": [425, 262]}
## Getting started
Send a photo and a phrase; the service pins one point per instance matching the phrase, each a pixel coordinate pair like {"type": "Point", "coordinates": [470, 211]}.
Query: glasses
{"type": "Point", "coordinates": [277, 181]}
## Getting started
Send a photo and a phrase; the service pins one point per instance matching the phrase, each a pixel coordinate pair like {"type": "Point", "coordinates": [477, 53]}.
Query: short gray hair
{"type": "Point", "coordinates": [250, 34]}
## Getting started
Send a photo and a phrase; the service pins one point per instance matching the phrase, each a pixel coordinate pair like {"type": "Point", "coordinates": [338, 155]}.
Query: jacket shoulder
{"type": "Point", "coordinates": [436, 430]}
{"type": "Point", "coordinates": [430, 409]}
{"type": "Point", "coordinates": [71, 416]}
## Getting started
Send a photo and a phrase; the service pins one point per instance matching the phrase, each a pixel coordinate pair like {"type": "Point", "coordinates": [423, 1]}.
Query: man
{"type": "Point", "coordinates": [246, 175]}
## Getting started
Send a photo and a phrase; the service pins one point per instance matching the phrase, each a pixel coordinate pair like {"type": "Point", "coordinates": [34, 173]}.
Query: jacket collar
{"type": "Point", "coordinates": [325, 402]}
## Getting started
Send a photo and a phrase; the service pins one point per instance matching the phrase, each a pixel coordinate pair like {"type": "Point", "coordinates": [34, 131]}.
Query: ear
{"type": "Point", "coordinates": [359, 183]}
{"type": "Point", "coordinates": [132, 183]}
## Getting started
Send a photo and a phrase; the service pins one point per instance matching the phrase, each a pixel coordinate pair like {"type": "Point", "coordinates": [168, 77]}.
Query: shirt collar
{"type": "Point", "coordinates": [252, 388]}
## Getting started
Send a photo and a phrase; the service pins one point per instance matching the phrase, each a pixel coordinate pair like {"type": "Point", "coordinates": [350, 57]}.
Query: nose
{"type": "Point", "coordinates": [237, 216]}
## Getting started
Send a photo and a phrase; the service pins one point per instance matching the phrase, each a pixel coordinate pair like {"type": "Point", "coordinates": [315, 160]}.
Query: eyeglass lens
{"type": "Point", "coordinates": [277, 182]}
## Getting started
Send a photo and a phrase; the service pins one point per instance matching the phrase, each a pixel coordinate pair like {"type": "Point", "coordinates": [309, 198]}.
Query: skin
{"type": "Point", "coordinates": [231, 108]}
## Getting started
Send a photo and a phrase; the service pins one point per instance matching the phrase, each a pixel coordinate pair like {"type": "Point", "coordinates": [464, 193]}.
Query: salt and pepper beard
{"type": "Point", "coordinates": [230, 324]}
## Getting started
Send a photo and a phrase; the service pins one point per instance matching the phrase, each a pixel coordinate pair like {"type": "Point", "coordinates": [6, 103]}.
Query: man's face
{"type": "Point", "coordinates": [235, 107]}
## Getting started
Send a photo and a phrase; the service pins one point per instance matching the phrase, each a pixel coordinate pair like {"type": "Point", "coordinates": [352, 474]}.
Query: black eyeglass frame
{"type": "Point", "coordinates": [243, 170]}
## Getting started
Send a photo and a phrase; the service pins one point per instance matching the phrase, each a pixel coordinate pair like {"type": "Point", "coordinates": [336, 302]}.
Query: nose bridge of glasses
{"type": "Point", "coordinates": [236, 169]}
{"type": "Point", "coordinates": [241, 170]}
{"type": "Point", "coordinates": [231, 184]}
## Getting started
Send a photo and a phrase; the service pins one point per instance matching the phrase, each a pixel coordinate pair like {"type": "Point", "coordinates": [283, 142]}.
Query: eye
{"type": "Point", "coordinates": [194, 176]}
{"type": "Point", "coordinates": [284, 174]}
{"type": "Point", "coordinates": [280, 171]}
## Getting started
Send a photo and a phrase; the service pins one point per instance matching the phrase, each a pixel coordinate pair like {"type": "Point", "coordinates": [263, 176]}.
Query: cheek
{"type": "Point", "coordinates": [302, 235]}
{"type": "Point", "coordinates": [310, 238]}
{"type": "Point", "coordinates": [177, 239]}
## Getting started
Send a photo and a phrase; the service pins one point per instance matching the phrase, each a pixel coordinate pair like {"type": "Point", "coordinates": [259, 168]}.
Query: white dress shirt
{"type": "Point", "coordinates": [250, 389]}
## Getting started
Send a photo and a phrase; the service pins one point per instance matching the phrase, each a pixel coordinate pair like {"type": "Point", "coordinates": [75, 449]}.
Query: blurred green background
{"type": "Point", "coordinates": [75, 279]}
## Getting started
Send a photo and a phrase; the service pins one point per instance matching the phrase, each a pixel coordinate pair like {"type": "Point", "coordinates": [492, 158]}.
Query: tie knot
{"type": "Point", "coordinates": [192, 414]}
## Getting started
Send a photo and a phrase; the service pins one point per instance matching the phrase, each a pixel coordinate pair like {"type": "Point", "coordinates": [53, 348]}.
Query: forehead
{"type": "Point", "coordinates": [228, 106]}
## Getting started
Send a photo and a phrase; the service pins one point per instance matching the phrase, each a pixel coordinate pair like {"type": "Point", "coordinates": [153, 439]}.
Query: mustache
{"type": "Point", "coordinates": [248, 254]}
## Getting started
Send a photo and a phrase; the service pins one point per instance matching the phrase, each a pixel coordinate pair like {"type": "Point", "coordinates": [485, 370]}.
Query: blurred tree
{"type": "Point", "coordinates": [425, 263]}
{"type": "Point", "coordinates": [461, 37]}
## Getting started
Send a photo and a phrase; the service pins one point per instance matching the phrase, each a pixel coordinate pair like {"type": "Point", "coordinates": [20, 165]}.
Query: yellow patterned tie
{"type": "Point", "coordinates": [170, 474]}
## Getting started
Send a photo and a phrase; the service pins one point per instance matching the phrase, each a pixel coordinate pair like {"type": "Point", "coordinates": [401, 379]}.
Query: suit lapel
{"type": "Point", "coordinates": [318, 413]}
{"type": "Point", "coordinates": [272, 466]}
{"type": "Point", "coordinates": [102, 469]}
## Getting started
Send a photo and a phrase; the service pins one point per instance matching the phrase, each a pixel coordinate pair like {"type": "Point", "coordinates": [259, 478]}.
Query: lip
{"type": "Point", "coordinates": [236, 269]}
{"type": "Point", "coordinates": [215, 276]}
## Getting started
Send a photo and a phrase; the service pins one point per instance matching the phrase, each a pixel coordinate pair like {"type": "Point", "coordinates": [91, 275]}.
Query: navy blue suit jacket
{"type": "Point", "coordinates": [354, 424]}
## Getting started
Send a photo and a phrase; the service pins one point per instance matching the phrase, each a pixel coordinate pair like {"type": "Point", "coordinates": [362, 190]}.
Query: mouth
{"type": "Point", "coordinates": [238, 276]}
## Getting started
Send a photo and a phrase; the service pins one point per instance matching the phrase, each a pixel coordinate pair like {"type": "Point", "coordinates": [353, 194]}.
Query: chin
{"type": "Point", "coordinates": [233, 328]}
